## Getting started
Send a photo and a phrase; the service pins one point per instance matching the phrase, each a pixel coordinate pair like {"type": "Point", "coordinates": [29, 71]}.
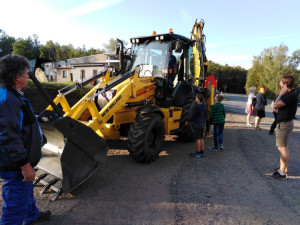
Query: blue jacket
{"type": "Point", "coordinates": [199, 114]}
{"type": "Point", "coordinates": [20, 133]}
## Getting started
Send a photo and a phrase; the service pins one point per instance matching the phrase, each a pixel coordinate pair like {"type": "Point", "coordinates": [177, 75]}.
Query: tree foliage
{"type": "Point", "coordinates": [6, 43]}
{"type": "Point", "coordinates": [31, 48]}
{"type": "Point", "coordinates": [28, 48]}
{"type": "Point", "coordinates": [111, 46]}
{"type": "Point", "coordinates": [230, 79]}
{"type": "Point", "coordinates": [270, 66]}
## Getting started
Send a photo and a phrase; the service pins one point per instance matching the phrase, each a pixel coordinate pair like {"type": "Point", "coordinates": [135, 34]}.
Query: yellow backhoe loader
{"type": "Point", "coordinates": [151, 95]}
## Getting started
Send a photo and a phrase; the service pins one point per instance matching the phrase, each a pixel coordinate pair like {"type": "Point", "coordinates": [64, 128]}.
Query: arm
{"type": "Point", "coordinates": [278, 103]}
{"type": "Point", "coordinates": [28, 172]}
{"type": "Point", "coordinates": [10, 132]}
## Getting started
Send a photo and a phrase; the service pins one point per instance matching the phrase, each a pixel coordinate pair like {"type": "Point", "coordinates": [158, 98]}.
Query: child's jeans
{"type": "Point", "coordinates": [218, 135]}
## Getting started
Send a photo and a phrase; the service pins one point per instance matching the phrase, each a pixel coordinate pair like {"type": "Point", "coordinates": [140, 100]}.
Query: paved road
{"type": "Point", "coordinates": [226, 187]}
{"type": "Point", "coordinates": [236, 103]}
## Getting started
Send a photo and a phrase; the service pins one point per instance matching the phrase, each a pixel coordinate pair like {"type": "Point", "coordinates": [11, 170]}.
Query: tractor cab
{"type": "Point", "coordinates": [167, 57]}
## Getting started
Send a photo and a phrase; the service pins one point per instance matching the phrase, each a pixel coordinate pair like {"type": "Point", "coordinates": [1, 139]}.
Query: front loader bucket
{"type": "Point", "coordinates": [82, 152]}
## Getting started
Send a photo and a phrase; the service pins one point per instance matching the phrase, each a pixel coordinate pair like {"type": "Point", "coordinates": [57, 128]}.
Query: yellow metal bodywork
{"type": "Point", "coordinates": [172, 116]}
{"type": "Point", "coordinates": [106, 122]}
{"type": "Point", "coordinates": [197, 34]}
{"type": "Point", "coordinates": [134, 89]}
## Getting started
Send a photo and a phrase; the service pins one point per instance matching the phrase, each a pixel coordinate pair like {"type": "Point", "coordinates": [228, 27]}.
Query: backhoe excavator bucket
{"type": "Point", "coordinates": [71, 164]}
{"type": "Point", "coordinates": [72, 150]}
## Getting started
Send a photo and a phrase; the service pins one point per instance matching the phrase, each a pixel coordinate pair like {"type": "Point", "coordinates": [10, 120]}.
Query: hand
{"type": "Point", "coordinates": [186, 123]}
{"type": "Point", "coordinates": [28, 173]}
{"type": "Point", "coordinates": [283, 91]}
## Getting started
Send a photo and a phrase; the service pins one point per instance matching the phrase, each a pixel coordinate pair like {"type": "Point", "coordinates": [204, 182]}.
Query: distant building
{"type": "Point", "coordinates": [78, 69]}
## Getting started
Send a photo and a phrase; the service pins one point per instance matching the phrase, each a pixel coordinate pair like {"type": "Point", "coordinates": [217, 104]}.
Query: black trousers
{"type": "Point", "coordinates": [274, 124]}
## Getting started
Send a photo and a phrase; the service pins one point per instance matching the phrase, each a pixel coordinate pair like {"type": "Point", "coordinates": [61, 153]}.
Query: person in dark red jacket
{"type": "Point", "coordinates": [20, 145]}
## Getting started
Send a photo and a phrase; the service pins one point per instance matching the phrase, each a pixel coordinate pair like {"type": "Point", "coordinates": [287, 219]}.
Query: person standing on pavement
{"type": "Point", "coordinates": [217, 118]}
{"type": "Point", "coordinates": [261, 102]}
{"type": "Point", "coordinates": [249, 110]}
{"type": "Point", "coordinates": [286, 103]}
{"type": "Point", "coordinates": [20, 145]}
{"type": "Point", "coordinates": [199, 119]}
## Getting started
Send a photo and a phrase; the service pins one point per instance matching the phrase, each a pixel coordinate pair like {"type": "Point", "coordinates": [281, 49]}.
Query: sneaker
{"type": "Point", "coordinates": [42, 217]}
{"type": "Point", "coordinates": [202, 154]}
{"type": "Point", "coordinates": [276, 170]}
{"type": "Point", "coordinates": [222, 147]}
{"type": "Point", "coordinates": [195, 154]}
{"type": "Point", "coordinates": [213, 149]}
{"type": "Point", "coordinates": [257, 128]}
{"type": "Point", "coordinates": [249, 124]}
{"type": "Point", "coordinates": [277, 175]}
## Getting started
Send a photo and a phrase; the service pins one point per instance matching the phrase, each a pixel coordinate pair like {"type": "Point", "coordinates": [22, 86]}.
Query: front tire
{"type": "Point", "coordinates": [187, 132]}
{"type": "Point", "coordinates": [146, 137]}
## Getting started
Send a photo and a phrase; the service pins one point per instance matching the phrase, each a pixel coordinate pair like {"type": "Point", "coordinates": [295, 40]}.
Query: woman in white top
{"type": "Point", "coordinates": [249, 110]}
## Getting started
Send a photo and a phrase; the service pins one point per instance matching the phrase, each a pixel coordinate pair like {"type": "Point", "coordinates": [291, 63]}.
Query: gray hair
{"type": "Point", "coordinates": [252, 88]}
{"type": "Point", "coordinates": [12, 66]}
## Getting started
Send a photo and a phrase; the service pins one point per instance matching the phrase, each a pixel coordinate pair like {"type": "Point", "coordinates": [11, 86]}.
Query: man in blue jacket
{"type": "Point", "coordinates": [20, 145]}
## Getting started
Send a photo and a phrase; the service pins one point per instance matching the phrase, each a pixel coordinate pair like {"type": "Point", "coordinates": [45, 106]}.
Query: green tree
{"type": "Point", "coordinates": [93, 51]}
{"type": "Point", "coordinates": [23, 47]}
{"type": "Point", "coordinates": [111, 46]}
{"type": "Point", "coordinates": [6, 43]}
{"type": "Point", "coordinates": [28, 48]}
{"type": "Point", "coordinates": [294, 60]}
{"type": "Point", "coordinates": [270, 66]}
{"type": "Point", "coordinates": [231, 79]}
{"type": "Point", "coordinates": [35, 45]}
{"type": "Point", "coordinates": [67, 51]}
{"type": "Point", "coordinates": [80, 52]}
{"type": "Point", "coordinates": [48, 51]}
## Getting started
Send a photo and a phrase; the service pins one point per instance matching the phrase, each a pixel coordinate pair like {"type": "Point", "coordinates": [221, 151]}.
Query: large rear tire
{"type": "Point", "coordinates": [187, 132]}
{"type": "Point", "coordinates": [146, 137]}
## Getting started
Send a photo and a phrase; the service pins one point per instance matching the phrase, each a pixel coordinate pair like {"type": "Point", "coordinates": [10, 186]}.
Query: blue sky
{"type": "Point", "coordinates": [236, 30]}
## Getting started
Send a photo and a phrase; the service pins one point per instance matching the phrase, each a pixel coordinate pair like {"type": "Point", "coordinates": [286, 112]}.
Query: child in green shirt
{"type": "Point", "coordinates": [217, 118]}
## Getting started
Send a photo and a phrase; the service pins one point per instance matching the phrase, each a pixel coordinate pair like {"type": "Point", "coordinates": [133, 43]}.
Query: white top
{"type": "Point", "coordinates": [250, 97]}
